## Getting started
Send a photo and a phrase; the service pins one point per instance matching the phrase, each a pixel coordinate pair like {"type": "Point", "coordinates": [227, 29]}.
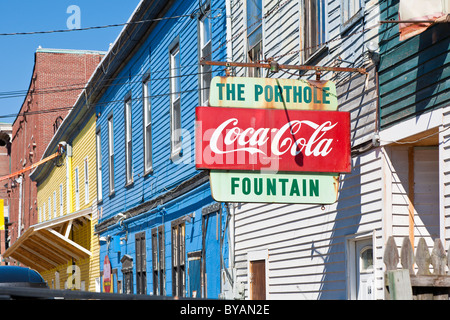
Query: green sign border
{"type": "Point", "coordinates": [245, 186]}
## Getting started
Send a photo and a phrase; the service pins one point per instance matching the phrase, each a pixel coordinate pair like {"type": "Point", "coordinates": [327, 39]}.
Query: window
{"type": "Point", "coordinates": [141, 266]}
{"type": "Point", "coordinates": [61, 210]}
{"type": "Point", "coordinates": [351, 11]}
{"type": "Point", "coordinates": [77, 190]}
{"type": "Point", "coordinates": [111, 154]}
{"type": "Point", "coordinates": [128, 151]}
{"type": "Point", "coordinates": [178, 259]}
{"type": "Point", "coordinates": [147, 114]}
{"type": "Point", "coordinates": [175, 103]}
{"type": "Point", "coordinates": [99, 166]}
{"type": "Point", "coordinates": [86, 181]}
{"type": "Point", "coordinates": [314, 35]}
{"type": "Point", "coordinates": [40, 215]}
{"type": "Point", "coordinates": [254, 35]}
{"type": "Point", "coordinates": [205, 52]}
{"type": "Point", "coordinates": [43, 212]}
{"type": "Point", "coordinates": [54, 204]}
{"type": "Point", "coordinates": [49, 208]}
{"type": "Point", "coordinates": [158, 261]}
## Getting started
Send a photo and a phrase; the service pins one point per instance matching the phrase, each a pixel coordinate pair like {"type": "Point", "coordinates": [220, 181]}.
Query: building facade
{"type": "Point", "coordinates": [399, 113]}
{"type": "Point", "coordinates": [57, 79]}
{"type": "Point", "coordinates": [62, 245]}
{"type": "Point", "coordinates": [5, 170]}
{"type": "Point", "coordinates": [161, 232]}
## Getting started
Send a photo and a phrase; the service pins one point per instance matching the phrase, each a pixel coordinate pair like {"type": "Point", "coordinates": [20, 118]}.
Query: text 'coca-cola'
{"type": "Point", "coordinates": [272, 139]}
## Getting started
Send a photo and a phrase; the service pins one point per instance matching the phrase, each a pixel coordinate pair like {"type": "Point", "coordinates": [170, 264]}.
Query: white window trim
{"type": "Point", "coordinates": [202, 45]}
{"type": "Point", "coordinates": [86, 180]}
{"type": "Point", "coordinates": [175, 148]}
{"type": "Point", "coordinates": [77, 189]}
{"type": "Point", "coordinates": [99, 165]}
{"type": "Point", "coordinates": [54, 204]}
{"type": "Point", "coordinates": [347, 24]}
{"type": "Point", "coordinates": [245, 44]}
{"type": "Point", "coordinates": [128, 140]}
{"type": "Point", "coordinates": [111, 154]}
{"type": "Point", "coordinates": [147, 121]}
{"type": "Point", "coordinates": [61, 199]}
{"type": "Point", "coordinates": [49, 208]}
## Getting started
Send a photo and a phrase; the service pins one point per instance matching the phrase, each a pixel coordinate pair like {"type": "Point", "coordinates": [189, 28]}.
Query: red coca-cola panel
{"type": "Point", "coordinates": [272, 139]}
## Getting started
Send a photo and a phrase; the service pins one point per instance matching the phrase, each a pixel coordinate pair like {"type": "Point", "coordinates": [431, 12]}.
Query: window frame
{"type": "Point", "coordinates": [111, 154]}
{"type": "Point", "coordinates": [141, 263]}
{"type": "Point", "coordinates": [205, 52]}
{"type": "Point", "coordinates": [54, 204]}
{"type": "Point", "coordinates": [353, 17]}
{"type": "Point", "coordinates": [77, 188]}
{"type": "Point", "coordinates": [175, 99]}
{"type": "Point", "coordinates": [98, 140]}
{"type": "Point", "coordinates": [158, 261]}
{"type": "Point", "coordinates": [61, 200]}
{"type": "Point", "coordinates": [258, 47]}
{"type": "Point", "coordinates": [313, 48]}
{"type": "Point", "coordinates": [49, 208]}
{"type": "Point", "coordinates": [86, 181]}
{"type": "Point", "coordinates": [147, 125]}
{"type": "Point", "coordinates": [178, 235]}
{"type": "Point", "coordinates": [128, 140]}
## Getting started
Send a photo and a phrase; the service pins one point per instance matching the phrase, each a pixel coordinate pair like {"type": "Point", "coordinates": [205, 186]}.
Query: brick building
{"type": "Point", "coordinates": [5, 169]}
{"type": "Point", "coordinates": [57, 80]}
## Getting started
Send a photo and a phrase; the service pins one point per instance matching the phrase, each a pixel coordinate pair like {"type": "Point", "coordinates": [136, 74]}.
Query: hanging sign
{"type": "Point", "coordinates": [242, 186]}
{"type": "Point", "coordinates": [272, 140]}
{"type": "Point", "coordinates": [273, 93]}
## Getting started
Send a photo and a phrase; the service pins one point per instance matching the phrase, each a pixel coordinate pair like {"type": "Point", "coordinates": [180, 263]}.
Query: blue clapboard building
{"type": "Point", "coordinates": [161, 233]}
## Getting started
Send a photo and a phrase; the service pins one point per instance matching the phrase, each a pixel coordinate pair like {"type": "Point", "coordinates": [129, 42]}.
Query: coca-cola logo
{"type": "Point", "coordinates": [251, 139]}
{"type": "Point", "coordinates": [254, 139]}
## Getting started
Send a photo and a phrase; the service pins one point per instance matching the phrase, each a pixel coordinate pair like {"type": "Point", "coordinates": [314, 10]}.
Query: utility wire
{"type": "Point", "coordinates": [94, 27]}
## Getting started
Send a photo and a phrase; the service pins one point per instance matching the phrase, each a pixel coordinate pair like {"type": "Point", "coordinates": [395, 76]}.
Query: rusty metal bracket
{"type": "Point", "coordinates": [282, 66]}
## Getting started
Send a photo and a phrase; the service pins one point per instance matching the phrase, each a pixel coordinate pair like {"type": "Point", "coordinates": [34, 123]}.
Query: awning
{"type": "Point", "coordinates": [47, 245]}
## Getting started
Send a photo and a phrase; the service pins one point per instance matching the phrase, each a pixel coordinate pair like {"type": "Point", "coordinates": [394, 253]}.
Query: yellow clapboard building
{"type": "Point", "coordinates": [62, 246]}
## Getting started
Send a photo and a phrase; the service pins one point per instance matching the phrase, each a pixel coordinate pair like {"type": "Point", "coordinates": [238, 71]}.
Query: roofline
{"type": "Point", "coordinates": [108, 66]}
{"type": "Point", "coordinates": [62, 51]}
{"type": "Point", "coordinates": [69, 51]}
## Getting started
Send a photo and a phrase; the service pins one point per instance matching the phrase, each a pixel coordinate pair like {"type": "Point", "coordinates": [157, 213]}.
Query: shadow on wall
{"type": "Point", "coordinates": [348, 218]}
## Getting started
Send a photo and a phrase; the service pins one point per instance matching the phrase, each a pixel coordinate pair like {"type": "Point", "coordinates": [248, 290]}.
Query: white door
{"type": "Point", "coordinates": [364, 270]}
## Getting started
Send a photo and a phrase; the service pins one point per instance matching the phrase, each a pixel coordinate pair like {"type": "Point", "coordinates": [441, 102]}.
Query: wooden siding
{"type": "Point", "coordinates": [84, 147]}
{"type": "Point", "coordinates": [152, 57]}
{"type": "Point", "coordinates": [415, 73]}
{"type": "Point", "coordinates": [282, 41]}
{"type": "Point", "coordinates": [307, 244]}
{"type": "Point", "coordinates": [45, 190]}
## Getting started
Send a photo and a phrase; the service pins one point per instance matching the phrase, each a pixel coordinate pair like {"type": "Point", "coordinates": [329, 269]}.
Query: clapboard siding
{"type": "Point", "coordinates": [414, 73]}
{"type": "Point", "coordinates": [153, 57]}
{"type": "Point", "coordinates": [307, 244]}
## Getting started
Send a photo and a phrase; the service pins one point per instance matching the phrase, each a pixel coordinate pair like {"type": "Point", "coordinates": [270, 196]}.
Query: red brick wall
{"type": "Point", "coordinates": [58, 78]}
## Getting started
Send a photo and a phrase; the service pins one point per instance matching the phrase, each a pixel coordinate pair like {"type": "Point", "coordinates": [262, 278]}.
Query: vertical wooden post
{"type": "Point", "coordinates": [411, 194]}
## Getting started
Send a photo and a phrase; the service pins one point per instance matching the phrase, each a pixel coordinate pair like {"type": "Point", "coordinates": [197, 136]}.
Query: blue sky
{"type": "Point", "coordinates": [17, 52]}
